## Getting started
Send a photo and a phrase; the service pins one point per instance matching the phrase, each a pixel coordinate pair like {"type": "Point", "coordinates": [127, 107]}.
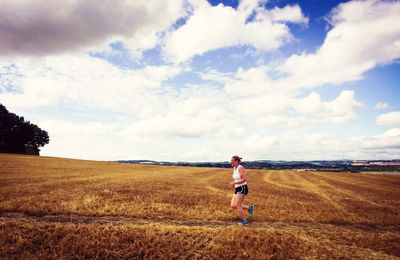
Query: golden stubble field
{"type": "Point", "coordinates": [63, 208]}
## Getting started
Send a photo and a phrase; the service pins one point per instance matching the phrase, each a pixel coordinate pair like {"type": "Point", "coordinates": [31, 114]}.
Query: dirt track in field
{"type": "Point", "coordinates": [126, 220]}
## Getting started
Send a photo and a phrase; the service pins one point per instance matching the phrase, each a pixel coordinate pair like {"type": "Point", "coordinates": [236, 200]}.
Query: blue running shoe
{"type": "Point", "coordinates": [251, 210]}
{"type": "Point", "coordinates": [243, 222]}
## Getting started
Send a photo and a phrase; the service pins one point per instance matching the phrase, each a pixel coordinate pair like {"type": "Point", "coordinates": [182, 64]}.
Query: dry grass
{"type": "Point", "coordinates": [63, 208]}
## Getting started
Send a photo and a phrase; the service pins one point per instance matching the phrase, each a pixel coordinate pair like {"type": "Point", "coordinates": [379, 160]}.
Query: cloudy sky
{"type": "Point", "coordinates": [191, 80]}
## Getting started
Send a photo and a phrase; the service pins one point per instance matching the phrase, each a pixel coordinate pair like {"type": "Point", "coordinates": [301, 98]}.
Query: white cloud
{"type": "Point", "coordinates": [313, 145]}
{"type": "Point", "coordinates": [256, 94]}
{"type": "Point", "coordinates": [89, 140]}
{"type": "Point", "coordinates": [214, 75]}
{"type": "Point", "coordinates": [194, 112]}
{"type": "Point", "coordinates": [363, 36]}
{"type": "Point", "coordinates": [251, 82]}
{"type": "Point", "coordinates": [341, 109]}
{"type": "Point", "coordinates": [381, 105]}
{"type": "Point", "coordinates": [386, 145]}
{"type": "Point", "coordinates": [277, 109]}
{"type": "Point", "coordinates": [38, 27]}
{"type": "Point", "coordinates": [213, 27]}
{"type": "Point", "coordinates": [285, 122]}
{"type": "Point", "coordinates": [262, 105]}
{"type": "Point", "coordinates": [66, 128]}
{"type": "Point", "coordinates": [289, 13]}
{"type": "Point", "coordinates": [209, 123]}
{"type": "Point", "coordinates": [391, 118]}
{"type": "Point", "coordinates": [88, 82]}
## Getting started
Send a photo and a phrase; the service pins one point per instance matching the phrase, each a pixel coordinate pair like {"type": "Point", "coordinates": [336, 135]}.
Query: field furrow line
{"type": "Point", "coordinates": [366, 182]}
{"type": "Point", "coordinates": [346, 193]}
{"type": "Point", "coordinates": [295, 177]}
{"type": "Point", "coordinates": [267, 176]}
{"type": "Point", "coordinates": [311, 186]}
{"type": "Point", "coordinates": [267, 179]}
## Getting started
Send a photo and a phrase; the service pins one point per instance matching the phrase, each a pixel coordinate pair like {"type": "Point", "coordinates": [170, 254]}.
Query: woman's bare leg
{"type": "Point", "coordinates": [239, 202]}
{"type": "Point", "coordinates": [233, 201]}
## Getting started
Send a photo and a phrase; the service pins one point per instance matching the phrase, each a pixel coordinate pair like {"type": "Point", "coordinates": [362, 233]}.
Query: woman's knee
{"type": "Point", "coordinates": [234, 206]}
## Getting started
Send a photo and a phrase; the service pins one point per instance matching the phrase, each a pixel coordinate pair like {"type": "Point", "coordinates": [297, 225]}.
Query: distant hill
{"type": "Point", "coordinates": [339, 165]}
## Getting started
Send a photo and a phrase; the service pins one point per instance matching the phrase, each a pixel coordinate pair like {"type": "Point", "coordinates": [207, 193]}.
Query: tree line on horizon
{"type": "Point", "coordinates": [18, 135]}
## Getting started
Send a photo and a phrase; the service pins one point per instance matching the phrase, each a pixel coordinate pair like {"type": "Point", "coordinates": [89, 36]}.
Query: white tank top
{"type": "Point", "coordinates": [236, 175]}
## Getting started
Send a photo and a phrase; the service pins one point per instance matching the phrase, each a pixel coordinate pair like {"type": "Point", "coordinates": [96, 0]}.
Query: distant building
{"type": "Point", "coordinates": [386, 163]}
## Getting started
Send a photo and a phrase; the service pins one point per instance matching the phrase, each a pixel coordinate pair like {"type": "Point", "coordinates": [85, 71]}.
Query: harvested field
{"type": "Point", "coordinates": [63, 208]}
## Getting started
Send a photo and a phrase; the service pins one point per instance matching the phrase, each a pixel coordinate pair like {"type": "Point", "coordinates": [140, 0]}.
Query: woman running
{"type": "Point", "coordinates": [239, 176]}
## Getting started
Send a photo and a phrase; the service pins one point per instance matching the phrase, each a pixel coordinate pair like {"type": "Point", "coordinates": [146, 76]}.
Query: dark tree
{"type": "Point", "coordinates": [18, 135]}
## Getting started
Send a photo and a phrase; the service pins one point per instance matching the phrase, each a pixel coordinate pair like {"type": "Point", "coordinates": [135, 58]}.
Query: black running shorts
{"type": "Point", "coordinates": [243, 189]}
